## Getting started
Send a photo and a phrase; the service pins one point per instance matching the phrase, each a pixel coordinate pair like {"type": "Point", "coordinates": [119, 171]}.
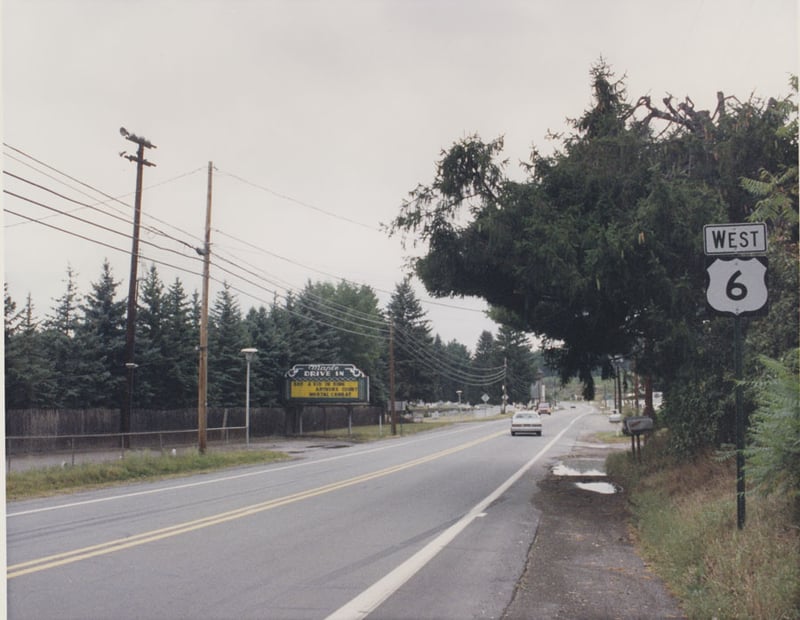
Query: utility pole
{"type": "Point", "coordinates": [202, 383]}
{"type": "Point", "coordinates": [130, 328]}
{"type": "Point", "coordinates": [393, 412]}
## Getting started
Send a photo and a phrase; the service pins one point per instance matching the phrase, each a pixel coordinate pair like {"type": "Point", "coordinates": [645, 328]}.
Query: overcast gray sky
{"type": "Point", "coordinates": [320, 117]}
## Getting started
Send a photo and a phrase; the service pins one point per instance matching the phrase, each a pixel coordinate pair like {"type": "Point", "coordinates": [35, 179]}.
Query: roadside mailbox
{"type": "Point", "coordinates": [636, 426]}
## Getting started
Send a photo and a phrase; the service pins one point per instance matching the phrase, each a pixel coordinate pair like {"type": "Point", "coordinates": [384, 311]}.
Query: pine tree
{"type": "Point", "coordinates": [36, 380]}
{"type": "Point", "coordinates": [485, 356]}
{"type": "Point", "coordinates": [100, 338]}
{"type": "Point", "coordinates": [60, 330]}
{"type": "Point", "coordinates": [414, 368]}
{"type": "Point", "coordinates": [180, 338]}
{"type": "Point", "coordinates": [518, 359]}
{"type": "Point", "coordinates": [266, 369]}
{"type": "Point", "coordinates": [150, 374]}
{"type": "Point", "coordinates": [226, 338]}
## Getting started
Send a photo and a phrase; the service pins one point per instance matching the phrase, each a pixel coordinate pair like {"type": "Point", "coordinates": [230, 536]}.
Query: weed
{"type": "Point", "coordinates": [685, 514]}
{"type": "Point", "coordinates": [51, 480]}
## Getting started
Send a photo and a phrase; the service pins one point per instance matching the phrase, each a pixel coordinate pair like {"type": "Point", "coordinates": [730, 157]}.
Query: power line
{"type": "Point", "coordinates": [296, 201]}
{"type": "Point", "coordinates": [368, 324]}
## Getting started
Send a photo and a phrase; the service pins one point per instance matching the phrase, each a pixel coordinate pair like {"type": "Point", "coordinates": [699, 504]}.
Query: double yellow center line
{"type": "Point", "coordinates": [85, 553]}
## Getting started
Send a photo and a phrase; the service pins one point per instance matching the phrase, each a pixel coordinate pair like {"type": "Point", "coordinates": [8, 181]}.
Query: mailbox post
{"type": "Point", "coordinates": [638, 426]}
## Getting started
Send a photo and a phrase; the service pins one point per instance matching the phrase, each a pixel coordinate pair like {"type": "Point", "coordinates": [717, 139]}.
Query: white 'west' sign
{"type": "Point", "coordinates": [735, 239]}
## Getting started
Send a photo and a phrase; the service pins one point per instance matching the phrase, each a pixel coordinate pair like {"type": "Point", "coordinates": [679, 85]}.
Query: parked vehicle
{"type": "Point", "coordinates": [526, 421]}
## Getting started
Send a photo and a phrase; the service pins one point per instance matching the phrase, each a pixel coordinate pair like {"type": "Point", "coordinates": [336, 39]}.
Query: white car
{"type": "Point", "coordinates": [526, 421]}
{"type": "Point", "coordinates": [615, 416]}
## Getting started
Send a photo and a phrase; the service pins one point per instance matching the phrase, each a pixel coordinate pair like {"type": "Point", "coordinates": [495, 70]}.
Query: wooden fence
{"type": "Point", "coordinates": [54, 429]}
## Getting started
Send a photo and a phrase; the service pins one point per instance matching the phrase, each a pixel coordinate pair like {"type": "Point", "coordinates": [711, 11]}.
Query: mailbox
{"type": "Point", "coordinates": [636, 425]}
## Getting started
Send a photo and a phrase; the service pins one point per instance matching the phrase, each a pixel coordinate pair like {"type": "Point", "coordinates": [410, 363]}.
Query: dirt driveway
{"type": "Point", "coordinates": [582, 564]}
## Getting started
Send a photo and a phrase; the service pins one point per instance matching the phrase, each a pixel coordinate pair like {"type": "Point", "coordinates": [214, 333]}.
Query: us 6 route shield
{"type": "Point", "coordinates": [737, 286]}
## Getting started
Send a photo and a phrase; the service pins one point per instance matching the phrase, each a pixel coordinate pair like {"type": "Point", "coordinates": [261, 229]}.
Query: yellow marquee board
{"type": "Point", "coordinates": [326, 383]}
{"type": "Point", "coordinates": [324, 389]}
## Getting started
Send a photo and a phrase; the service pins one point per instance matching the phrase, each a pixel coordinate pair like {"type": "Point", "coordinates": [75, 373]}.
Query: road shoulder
{"type": "Point", "coordinates": [583, 563]}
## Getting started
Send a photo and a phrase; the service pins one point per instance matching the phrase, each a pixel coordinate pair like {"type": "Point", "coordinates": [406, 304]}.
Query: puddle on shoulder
{"type": "Point", "coordinates": [606, 488]}
{"type": "Point", "coordinates": [579, 467]}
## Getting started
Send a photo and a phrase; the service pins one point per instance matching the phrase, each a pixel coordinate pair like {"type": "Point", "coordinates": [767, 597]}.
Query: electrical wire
{"type": "Point", "coordinates": [364, 324]}
{"type": "Point", "coordinates": [296, 201]}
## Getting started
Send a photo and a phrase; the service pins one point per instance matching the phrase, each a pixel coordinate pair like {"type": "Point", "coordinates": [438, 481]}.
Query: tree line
{"type": "Point", "coordinates": [74, 357]}
{"type": "Point", "coordinates": [598, 250]}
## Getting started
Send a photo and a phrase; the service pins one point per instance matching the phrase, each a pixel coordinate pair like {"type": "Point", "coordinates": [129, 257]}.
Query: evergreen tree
{"type": "Point", "coordinates": [226, 338]}
{"type": "Point", "coordinates": [414, 367]}
{"type": "Point", "coordinates": [151, 372]}
{"type": "Point", "coordinates": [36, 381]}
{"type": "Point", "coordinates": [455, 372]}
{"type": "Point", "coordinates": [314, 338]}
{"type": "Point", "coordinates": [518, 361]}
{"type": "Point", "coordinates": [60, 329]}
{"type": "Point", "coordinates": [599, 250]}
{"type": "Point", "coordinates": [29, 375]}
{"type": "Point", "coordinates": [267, 368]}
{"type": "Point", "coordinates": [100, 338]}
{"type": "Point", "coordinates": [359, 335]}
{"type": "Point", "coordinates": [485, 356]}
{"type": "Point", "coordinates": [179, 354]}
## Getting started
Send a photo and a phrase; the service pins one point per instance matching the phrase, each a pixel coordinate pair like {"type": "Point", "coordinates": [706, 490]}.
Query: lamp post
{"type": "Point", "coordinates": [248, 356]}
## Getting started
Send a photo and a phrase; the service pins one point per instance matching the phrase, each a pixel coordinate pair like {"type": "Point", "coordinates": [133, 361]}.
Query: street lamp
{"type": "Point", "coordinates": [248, 356]}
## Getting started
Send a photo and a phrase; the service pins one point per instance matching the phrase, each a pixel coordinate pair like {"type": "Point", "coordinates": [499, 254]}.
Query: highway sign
{"type": "Point", "coordinates": [734, 239]}
{"type": "Point", "coordinates": [737, 286]}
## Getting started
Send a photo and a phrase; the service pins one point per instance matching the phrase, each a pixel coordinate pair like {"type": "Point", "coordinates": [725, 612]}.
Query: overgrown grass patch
{"type": "Point", "coordinates": [51, 480]}
{"type": "Point", "coordinates": [685, 523]}
{"type": "Point", "coordinates": [377, 432]}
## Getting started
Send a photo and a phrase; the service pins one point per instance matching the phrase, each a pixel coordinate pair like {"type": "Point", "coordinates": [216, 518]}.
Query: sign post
{"type": "Point", "coordinates": [736, 271]}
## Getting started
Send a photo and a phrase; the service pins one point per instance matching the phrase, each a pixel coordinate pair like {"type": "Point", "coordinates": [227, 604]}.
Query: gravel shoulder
{"type": "Point", "coordinates": [583, 563]}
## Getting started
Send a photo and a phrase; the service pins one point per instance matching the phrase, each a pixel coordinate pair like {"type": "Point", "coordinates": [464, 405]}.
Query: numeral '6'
{"type": "Point", "coordinates": [735, 290]}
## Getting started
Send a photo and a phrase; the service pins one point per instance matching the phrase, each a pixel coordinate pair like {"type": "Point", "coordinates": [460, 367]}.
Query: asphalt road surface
{"type": "Point", "coordinates": [437, 525]}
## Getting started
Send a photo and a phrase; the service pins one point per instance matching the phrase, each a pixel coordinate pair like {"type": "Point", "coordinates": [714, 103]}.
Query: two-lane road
{"type": "Point", "coordinates": [430, 526]}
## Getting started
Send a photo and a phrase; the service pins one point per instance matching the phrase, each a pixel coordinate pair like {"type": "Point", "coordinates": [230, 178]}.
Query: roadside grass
{"type": "Point", "coordinates": [140, 466]}
{"type": "Point", "coordinates": [376, 432]}
{"type": "Point", "coordinates": [684, 521]}
{"type": "Point", "coordinates": [136, 467]}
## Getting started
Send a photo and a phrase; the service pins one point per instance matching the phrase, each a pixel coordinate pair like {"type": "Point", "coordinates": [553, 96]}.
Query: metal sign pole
{"type": "Point", "coordinates": [740, 493]}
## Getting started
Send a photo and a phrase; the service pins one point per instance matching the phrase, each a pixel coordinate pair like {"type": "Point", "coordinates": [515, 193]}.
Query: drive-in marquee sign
{"type": "Point", "coordinates": [326, 383]}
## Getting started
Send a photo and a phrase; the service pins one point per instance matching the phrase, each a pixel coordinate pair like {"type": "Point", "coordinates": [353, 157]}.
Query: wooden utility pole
{"type": "Point", "coordinates": [392, 410]}
{"type": "Point", "coordinates": [130, 327]}
{"type": "Point", "coordinates": [202, 382]}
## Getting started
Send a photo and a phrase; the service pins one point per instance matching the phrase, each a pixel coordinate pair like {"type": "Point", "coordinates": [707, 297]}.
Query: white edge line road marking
{"type": "Point", "coordinates": [369, 600]}
{"type": "Point", "coordinates": [76, 555]}
{"type": "Point", "coordinates": [267, 470]}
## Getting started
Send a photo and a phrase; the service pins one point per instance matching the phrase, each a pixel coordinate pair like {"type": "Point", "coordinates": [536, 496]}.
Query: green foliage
{"type": "Point", "coordinates": [684, 514]}
{"type": "Point", "coordinates": [40, 482]}
{"type": "Point", "coordinates": [773, 456]}
{"type": "Point", "coordinates": [599, 250]}
{"type": "Point", "coordinates": [74, 358]}
{"type": "Point", "coordinates": [100, 338]}
{"type": "Point", "coordinates": [413, 346]}
{"type": "Point", "coordinates": [226, 339]}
